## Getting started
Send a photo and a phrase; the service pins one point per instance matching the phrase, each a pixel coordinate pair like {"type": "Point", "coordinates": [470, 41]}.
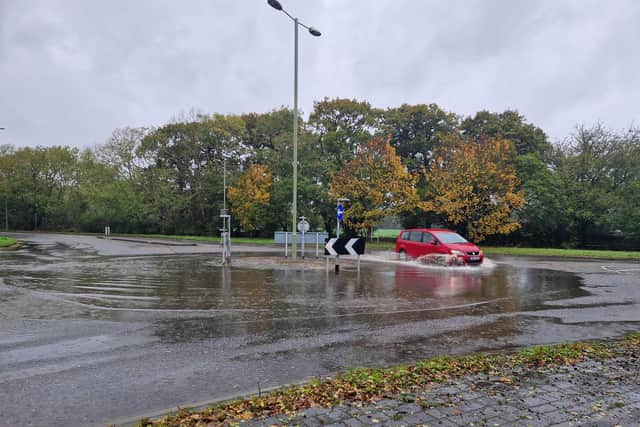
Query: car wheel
{"type": "Point", "coordinates": [402, 255]}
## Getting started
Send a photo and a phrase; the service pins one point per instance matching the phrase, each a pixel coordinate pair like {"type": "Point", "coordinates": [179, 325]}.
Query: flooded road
{"type": "Point", "coordinates": [93, 331]}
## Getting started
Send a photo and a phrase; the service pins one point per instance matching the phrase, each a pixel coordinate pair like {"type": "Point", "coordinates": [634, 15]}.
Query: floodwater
{"type": "Point", "coordinates": [88, 339]}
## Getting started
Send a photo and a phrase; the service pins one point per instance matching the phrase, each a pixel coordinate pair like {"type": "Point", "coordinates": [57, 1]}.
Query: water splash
{"type": "Point", "coordinates": [391, 257]}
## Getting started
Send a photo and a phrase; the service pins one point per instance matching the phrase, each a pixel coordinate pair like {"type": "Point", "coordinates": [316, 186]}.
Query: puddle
{"type": "Point", "coordinates": [274, 291]}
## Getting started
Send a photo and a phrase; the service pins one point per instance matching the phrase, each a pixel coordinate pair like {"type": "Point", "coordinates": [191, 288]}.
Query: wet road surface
{"type": "Point", "coordinates": [93, 331]}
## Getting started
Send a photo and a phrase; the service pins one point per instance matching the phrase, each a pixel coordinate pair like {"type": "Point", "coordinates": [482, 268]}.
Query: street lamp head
{"type": "Point", "coordinates": [314, 32]}
{"type": "Point", "coordinates": [275, 4]}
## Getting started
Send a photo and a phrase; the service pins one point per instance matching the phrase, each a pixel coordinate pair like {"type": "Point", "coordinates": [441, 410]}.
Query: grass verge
{"type": "Point", "coordinates": [6, 242]}
{"type": "Point", "coordinates": [568, 253]}
{"type": "Point", "coordinates": [258, 241]}
{"type": "Point", "coordinates": [216, 239]}
{"type": "Point", "coordinates": [365, 385]}
{"type": "Point", "coordinates": [390, 245]}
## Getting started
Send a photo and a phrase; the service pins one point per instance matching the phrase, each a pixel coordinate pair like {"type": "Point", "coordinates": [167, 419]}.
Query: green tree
{"type": "Point", "coordinates": [544, 217]}
{"type": "Point", "coordinates": [416, 131]}
{"type": "Point", "coordinates": [120, 151]}
{"type": "Point", "coordinates": [526, 137]}
{"type": "Point", "coordinates": [185, 166]}
{"type": "Point", "coordinates": [341, 126]}
{"type": "Point", "coordinates": [599, 167]}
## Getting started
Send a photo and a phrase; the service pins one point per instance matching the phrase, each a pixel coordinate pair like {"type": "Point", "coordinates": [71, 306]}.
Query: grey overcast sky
{"type": "Point", "coordinates": [72, 71]}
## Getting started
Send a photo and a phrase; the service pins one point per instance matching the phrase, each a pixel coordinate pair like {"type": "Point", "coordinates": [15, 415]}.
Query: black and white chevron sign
{"type": "Point", "coordinates": [344, 246]}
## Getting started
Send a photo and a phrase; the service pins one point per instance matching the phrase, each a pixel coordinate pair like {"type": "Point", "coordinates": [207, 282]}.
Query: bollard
{"type": "Point", "coordinates": [286, 244]}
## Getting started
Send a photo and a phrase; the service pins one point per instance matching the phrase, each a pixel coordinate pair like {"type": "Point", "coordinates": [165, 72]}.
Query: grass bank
{"type": "Point", "coordinates": [565, 253]}
{"type": "Point", "coordinates": [6, 242]}
{"type": "Point", "coordinates": [210, 239]}
{"type": "Point", "coordinates": [368, 385]}
{"type": "Point", "coordinates": [389, 244]}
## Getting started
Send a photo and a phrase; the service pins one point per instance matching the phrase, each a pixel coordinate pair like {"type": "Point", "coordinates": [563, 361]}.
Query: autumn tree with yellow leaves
{"type": "Point", "coordinates": [377, 185]}
{"type": "Point", "coordinates": [473, 184]}
{"type": "Point", "coordinates": [250, 197]}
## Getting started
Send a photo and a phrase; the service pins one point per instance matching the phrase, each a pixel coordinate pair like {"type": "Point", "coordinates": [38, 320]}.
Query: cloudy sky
{"type": "Point", "coordinates": [72, 71]}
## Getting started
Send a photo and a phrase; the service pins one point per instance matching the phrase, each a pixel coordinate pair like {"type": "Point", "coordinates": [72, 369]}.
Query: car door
{"type": "Point", "coordinates": [429, 243]}
{"type": "Point", "coordinates": [438, 247]}
{"type": "Point", "coordinates": [414, 244]}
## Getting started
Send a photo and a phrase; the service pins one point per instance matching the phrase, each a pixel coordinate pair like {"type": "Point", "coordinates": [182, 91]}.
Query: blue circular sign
{"type": "Point", "coordinates": [340, 212]}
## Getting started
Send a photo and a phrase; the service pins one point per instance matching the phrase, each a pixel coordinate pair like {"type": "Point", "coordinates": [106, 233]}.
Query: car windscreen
{"type": "Point", "coordinates": [450, 237]}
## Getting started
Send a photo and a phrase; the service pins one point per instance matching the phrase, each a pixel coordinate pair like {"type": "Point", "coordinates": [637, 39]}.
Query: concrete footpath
{"type": "Point", "coordinates": [591, 393]}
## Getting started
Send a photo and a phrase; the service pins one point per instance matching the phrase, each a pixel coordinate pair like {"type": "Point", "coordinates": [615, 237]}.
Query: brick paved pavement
{"type": "Point", "coordinates": [590, 393]}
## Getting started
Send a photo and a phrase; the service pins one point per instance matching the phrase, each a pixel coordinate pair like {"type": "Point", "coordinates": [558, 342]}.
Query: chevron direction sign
{"type": "Point", "coordinates": [344, 246]}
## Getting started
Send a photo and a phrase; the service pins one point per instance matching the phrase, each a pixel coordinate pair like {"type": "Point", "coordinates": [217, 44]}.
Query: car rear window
{"type": "Point", "coordinates": [416, 236]}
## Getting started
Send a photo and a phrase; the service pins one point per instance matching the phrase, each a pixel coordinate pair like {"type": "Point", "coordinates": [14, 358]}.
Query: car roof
{"type": "Point", "coordinates": [429, 229]}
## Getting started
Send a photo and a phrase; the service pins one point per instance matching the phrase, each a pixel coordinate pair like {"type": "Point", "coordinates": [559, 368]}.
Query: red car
{"type": "Point", "coordinates": [437, 241]}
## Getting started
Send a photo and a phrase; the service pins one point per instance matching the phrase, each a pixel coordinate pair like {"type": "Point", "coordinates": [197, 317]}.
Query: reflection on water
{"type": "Point", "coordinates": [191, 297]}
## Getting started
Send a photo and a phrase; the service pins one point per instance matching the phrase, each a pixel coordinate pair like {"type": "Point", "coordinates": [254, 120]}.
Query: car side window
{"type": "Point", "coordinates": [428, 238]}
{"type": "Point", "coordinates": [416, 236]}
{"type": "Point", "coordinates": [405, 235]}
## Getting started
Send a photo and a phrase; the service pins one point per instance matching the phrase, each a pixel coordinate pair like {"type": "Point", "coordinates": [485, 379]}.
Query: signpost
{"type": "Point", "coordinates": [225, 234]}
{"type": "Point", "coordinates": [225, 231]}
{"type": "Point", "coordinates": [344, 246]}
{"type": "Point", "coordinates": [303, 227]}
{"type": "Point", "coordinates": [339, 216]}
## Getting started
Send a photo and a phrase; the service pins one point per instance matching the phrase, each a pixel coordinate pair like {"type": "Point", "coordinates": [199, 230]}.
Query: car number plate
{"type": "Point", "coordinates": [474, 258]}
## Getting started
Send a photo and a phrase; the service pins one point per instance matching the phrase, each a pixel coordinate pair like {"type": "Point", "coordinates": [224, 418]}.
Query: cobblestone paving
{"type": "Point", "coordinates": [587, 394]}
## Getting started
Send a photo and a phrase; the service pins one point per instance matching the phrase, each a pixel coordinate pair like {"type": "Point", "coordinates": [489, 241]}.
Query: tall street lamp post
{"type": "Point", "coordinates": [294, 208]}
{"type": "Point", "coordinates": [6, 207]}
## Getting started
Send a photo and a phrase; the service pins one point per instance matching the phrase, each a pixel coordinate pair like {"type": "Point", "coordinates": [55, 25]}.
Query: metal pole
{"type": "Point", "coordinates": [6, 214]}
{"type": "Point", "coordinates": [228, 249]}
{"type": "Point", "coordinates": [337, 268]}
{"type": "Point", "coordinates": [317, 243]}
{"type": "Point", "coordinates": [224, 237]}
{"type": "Point", "coordinates": [294, 208]}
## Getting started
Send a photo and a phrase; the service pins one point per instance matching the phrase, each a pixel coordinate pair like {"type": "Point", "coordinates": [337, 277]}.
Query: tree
{"type": "Point", "coordinates": [526, 137]}
{"type": "Point", "coordinates": [184, 164]}
{"type": "Point", "coordinates": [120, 151]}
{"type": "Point", "coordinates": [417, 130]}
{"type": "Point", "coordinates": [250, 197]}
{"type": "Point", "coordinates": [341, 127]}
{"type": "Point", "coordinates": [544, 217]}
{"type": "Point", "coordinates": [377, 184]}
{"type": "Point", "coordinates": [473, 185]}
{"type": "Point", "coordinates": [600, 168]}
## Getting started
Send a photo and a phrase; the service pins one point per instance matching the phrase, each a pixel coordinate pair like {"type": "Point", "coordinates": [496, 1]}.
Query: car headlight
{"type": "Point", "coordinates": [457, 253]}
